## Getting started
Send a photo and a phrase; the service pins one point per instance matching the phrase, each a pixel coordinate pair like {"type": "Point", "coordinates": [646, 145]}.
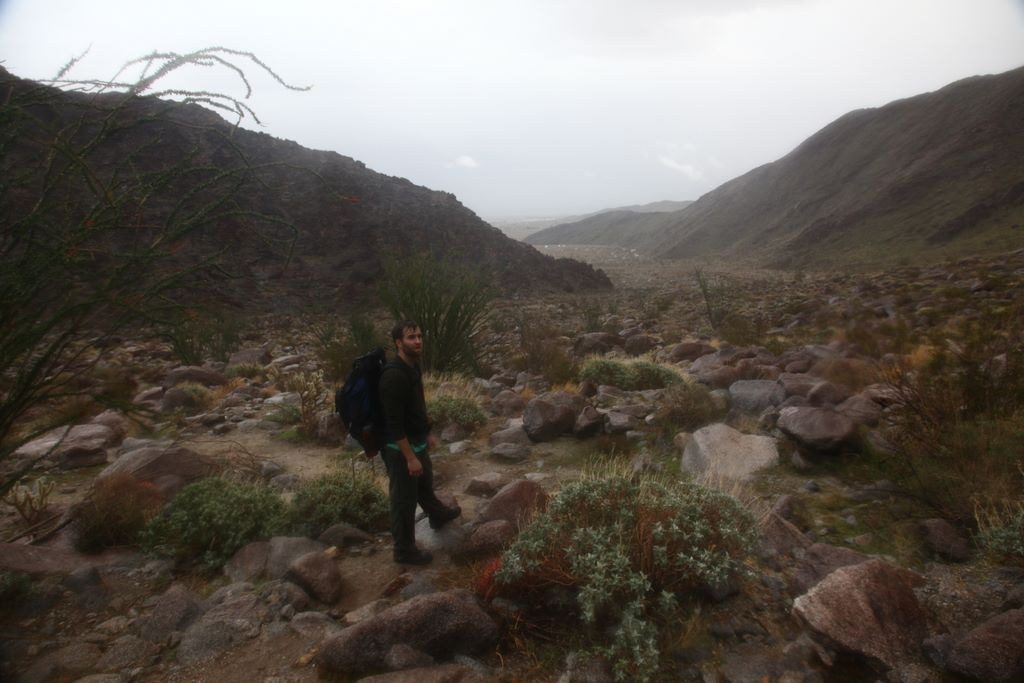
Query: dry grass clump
{"type": "Point", "coordinates": [115, 513]}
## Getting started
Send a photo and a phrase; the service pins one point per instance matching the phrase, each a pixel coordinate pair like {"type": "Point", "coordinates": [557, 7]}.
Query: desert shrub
{"type": "Point", "coordinates": [959, 419]}
{"type": "Point", "coordinates": [31, 500]}
{"type": "Point", "coordinates": [1001, 531]}
{"type": "Point", "coordinates": [313, 395]}
{"type": "Point", "coordinates": [286, 414]}
{"type": "Point", "coordinates": [248, 370]}
{"type": "Point", "coordinates": [449, 303]}
{"type": "Point", "coordinates": [210, 520]}
{"type": "Point", "coordinates": [115, 513]}
{"type": "Point", "coordinates": [540, 351]}
{"type": "Point", "coordinates": [718, 297]}
{"type": "Point", "coordinates": [686, 406]}
{"type": "Point", "coordinates": [195, 336]}
{"type": "Point", "coordinates": [199, 396]}
{"type": "Point", "coordinates": [465, 412]}
{"type": "Point", "coordinates": [355, 497]}
{"type": "Point", "coordinates": [337, 349]}
{"type": "Point", "coordinates": [628, 545]}
{"type": "Point", "coordinates": [632, 376]}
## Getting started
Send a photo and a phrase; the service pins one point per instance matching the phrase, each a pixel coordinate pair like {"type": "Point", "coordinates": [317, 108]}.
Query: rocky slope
{"type": "Point", "coordinates": [934, 175]}
{"type": "Point", "coordinates": [345, 218]}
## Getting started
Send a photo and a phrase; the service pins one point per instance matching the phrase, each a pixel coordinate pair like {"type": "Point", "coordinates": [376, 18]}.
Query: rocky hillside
{"type": "Point", "coordinates": [619, 228]}
{"type": "Point", "coordinates": [344, 218]}
{"type": "Point", "coordinates": [929, 176]}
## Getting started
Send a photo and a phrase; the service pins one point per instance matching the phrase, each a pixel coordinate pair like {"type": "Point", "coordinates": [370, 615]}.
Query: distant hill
{"type": "Point", "coordinates": [521, 228]}
{"type": "Point", "coordinates": [621, 228]}
{"type": "Point", "coordinates": [347, 219]}
{"type": "Point", "coordinates": [929, 176]}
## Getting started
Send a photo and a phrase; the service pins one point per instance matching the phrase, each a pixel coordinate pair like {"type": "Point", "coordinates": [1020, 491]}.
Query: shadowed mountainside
{"type": "Point", "coordinates": [929, 176]}
{"type": "Point", "coordinates": [347, 219]}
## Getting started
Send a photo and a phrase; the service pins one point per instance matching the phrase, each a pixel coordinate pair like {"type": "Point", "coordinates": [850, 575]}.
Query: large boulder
{"type": "Point", "coordinates": [72, 447]}
{"type": "Point", "coordinates": [174, 610]}
{"type": "Point", "coordinates": [169, 468]}
{"type": "Point", "coordinates": [551, 414]}
{"type": "Point", "coordinates": [237, 619]}
{"type": "Point", "coordinates": [719, 451]}
{"type": "Point", "coordinates": [514, 434]}
{"type": "Point", "coordinates": [820, 430]}
{"type": "Point", "coordinates": [820, 560]}
{"type": "Point", "coordinates": [869, 609]}
{"type": "Point", "coordinates": [992, 652]}
{"type": "Point", "coordinates": [283, 550]}
{"type": "Point", "coordinates": [753, 396]}
{"type": "Point", "coordinates": [514, 503]}
{"type": "Point", "coordinates": [318, 573]}
{"type": "Point", "coordinates": [861, 409]}
{"type": "Point", "coordinates": [507, 403]}
{"type": "Point", "coordinates": [685, 351]}
{"type": "Point", "coordinates": [441, 625]}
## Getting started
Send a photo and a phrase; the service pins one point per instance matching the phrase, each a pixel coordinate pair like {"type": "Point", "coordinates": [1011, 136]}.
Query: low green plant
{"type": "Point", "coordinates": [198, 396]}
{"type": "Point", "coordinates": [629, 546]}
{"type": "Point", "coordinates": [632, 376]}
{"type": "Point", "coordinates": [116, 511]}
{"type": "Point", "coordinates": [355, 496]}
{"type": "Point", "coordinates": [210, 520]}
{"type": "Point", "coordinates": [465, 412]}
{"type": "Point", "coordinates": [286, 414]}
{"type": "Point", "coordinates": [1001, 530]}
{"type": "Point", "coordinates": [247, 370]}
{"type": "Point", "coordinates": [450, 304]}
{"type": "Point", "coordinates": [718, 297]}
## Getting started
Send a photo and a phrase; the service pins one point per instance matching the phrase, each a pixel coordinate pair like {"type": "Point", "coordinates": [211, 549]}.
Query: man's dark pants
{"type": "Point", "coordinates": [405, 492]}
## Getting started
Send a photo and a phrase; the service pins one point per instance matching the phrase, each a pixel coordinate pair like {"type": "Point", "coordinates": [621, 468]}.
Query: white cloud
{"type": "Point", "coordinates": [464, 161]}
{"type": "Point", "coordinates": [688, 170]}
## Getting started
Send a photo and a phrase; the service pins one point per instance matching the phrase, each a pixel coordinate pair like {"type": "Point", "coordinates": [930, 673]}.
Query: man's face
{"type": "Point", "coordinates": [411, 343]}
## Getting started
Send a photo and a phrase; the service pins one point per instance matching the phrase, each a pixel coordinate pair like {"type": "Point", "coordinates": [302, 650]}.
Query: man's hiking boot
{"type": "Point", "coordinates": [414, 556]}
{"type": "Point", "coordinates": [448, 515]}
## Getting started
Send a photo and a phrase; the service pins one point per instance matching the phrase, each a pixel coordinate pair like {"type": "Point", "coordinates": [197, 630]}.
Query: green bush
{"type": "Point", "coordinates": [195, 336]}
{"type": "Point", "coordinates": [465, 412]}
{"type": "Point", "coordinates": [248, 370]}
{"type": "Point", "coordinates": [211, 519]}
{"type": "Point", "coordinates": [633, 376]}
{"type": "Point", "coordinates": [958, 421]}
{"type": "Point", "coordinates": [449, 303]}
{"type": "Point", "coordinates": [629, 546]}
{"type": "Point", "coordinates": [354, 497]}
{"type": "Point", "coordinates": [686, 406]}
{"type": "Point", "coordinates": [115, 513]}
{"type": "Point", "coordinates": [1002, 534]}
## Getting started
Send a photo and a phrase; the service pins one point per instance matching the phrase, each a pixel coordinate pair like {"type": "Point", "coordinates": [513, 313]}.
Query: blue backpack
{"type": "Point", "coordinates": [358, 404]}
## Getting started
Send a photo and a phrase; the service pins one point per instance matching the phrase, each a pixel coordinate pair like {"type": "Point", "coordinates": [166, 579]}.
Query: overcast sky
{"type": "Point", "coordinates": [547, 107]}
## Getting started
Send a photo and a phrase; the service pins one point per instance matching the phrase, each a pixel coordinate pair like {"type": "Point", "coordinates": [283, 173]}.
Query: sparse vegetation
{"type": "Point", "coordinates": [450, 304]}
{"type": "Point", "coordinates": [540, 351]}
{"type": "Point", "coordinates": [631, 376]}
{"type": "Point", "coordinates": [1001, 530]}
{"type": "Point", "coordinates": [84, 255]}
{"type": "Point", "coordinates": [337, 350]}
{"type": "Point", "coordinates": [686, 406]}
{"type": "Point", "coordinates": [208, 521]}
{"type": "Point", "coordinates": [355, 497]}
{"type": "Point", "coordinates": [31, 500]}
{"type": "Point", "coordinates": [465, 412]}
{"type": "Point", "coordinates": [116, 511]}
{"type": "Point", "coordinates": [959, 420]}
{"type": "Point", "coordinates": [199, 335]}
{"type": "Point", "coordinates": [629, 546]}
{"type": "Point", "coordinates": [247, 370]}
{"type": "Point", "coordinates": [313, 396]}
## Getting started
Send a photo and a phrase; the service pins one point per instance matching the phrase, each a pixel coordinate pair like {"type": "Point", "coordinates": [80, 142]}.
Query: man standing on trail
{"type": "Point", "coordinates": [406, 455]}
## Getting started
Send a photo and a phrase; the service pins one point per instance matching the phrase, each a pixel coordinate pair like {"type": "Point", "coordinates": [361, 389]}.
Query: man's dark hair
{"type": "Point", "coordinates": [398, 331]}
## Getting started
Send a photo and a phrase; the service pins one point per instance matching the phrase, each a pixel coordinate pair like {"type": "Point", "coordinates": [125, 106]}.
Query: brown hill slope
{"type": "Point", "coordinates": [345, 218]}
{"type": "Point", "coordinates": [930, 175]}
{"type": "Point", "coordinates": [615, 227]}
